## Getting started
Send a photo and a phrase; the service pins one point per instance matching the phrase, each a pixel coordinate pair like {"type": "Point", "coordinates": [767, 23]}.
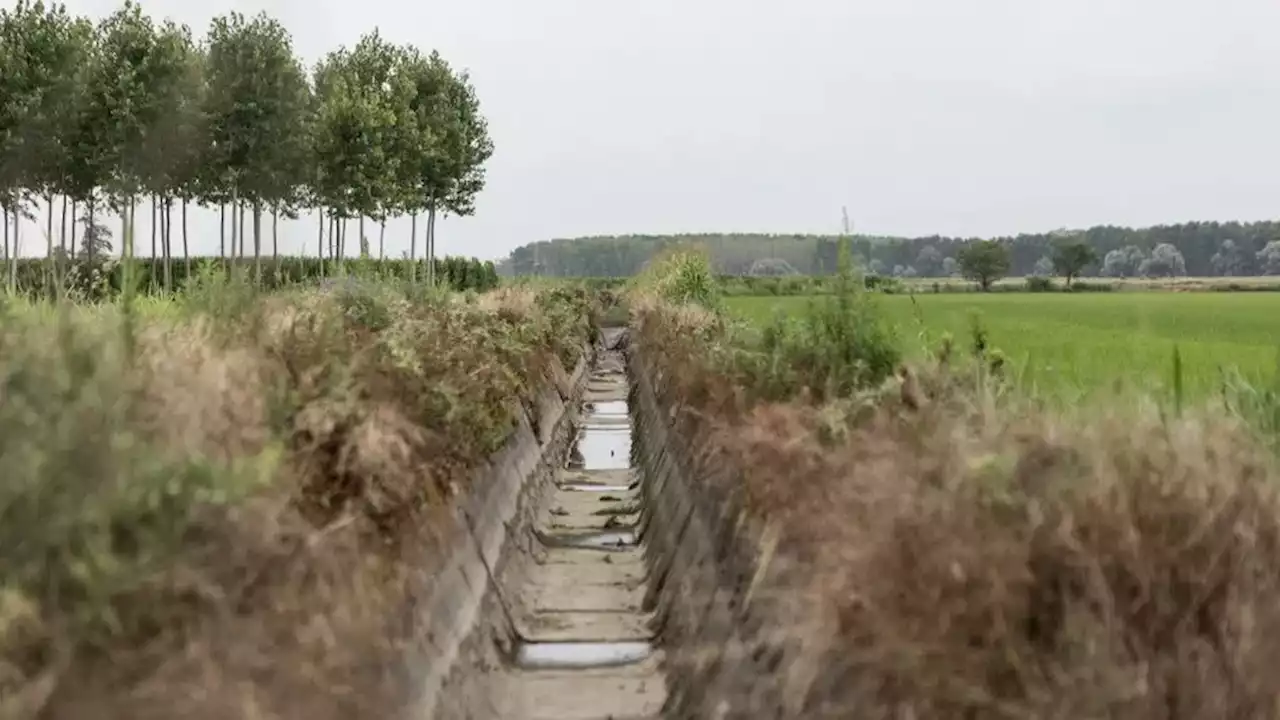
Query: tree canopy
{"type": "Point", "coordinates": [1071, 257]}
{"type": "Point", "coordinates": [110, 113]}
{"type": "Point", "coordinates": [984, 262]}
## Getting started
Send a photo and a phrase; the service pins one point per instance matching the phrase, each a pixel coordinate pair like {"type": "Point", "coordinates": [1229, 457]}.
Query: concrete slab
{"type": "Point", "coordinates": [634, 691]}
{"type": "Point", "coordinates": [617, 597]}
{"type": "Point", "coordinates": [595, 626]}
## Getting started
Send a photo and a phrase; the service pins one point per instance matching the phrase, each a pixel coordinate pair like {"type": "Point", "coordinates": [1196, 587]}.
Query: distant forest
{"type": "Point", "coordinates": [1204, 249]}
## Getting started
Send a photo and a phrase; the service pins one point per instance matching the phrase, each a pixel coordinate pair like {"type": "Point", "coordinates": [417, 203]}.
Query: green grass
{"type": "Point", "coordinates": [1069, 346]}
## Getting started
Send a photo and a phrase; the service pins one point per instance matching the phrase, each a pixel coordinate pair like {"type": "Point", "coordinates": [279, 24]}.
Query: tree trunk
{"type": "Point", "coordinates": [431, 244]}
{"type": "Point", "coordinates": [90, 239]}
{"type": "Point", "coordinates": [152, 280]}
{"type": "Point", "coordinates": [235, 230]}
{"type": "Point", "coordinates": [62, 233]}
{"type": "Point", "coordinates": [126, 246]}
{"type": "Point", "coordinates": [382, 234]}
{"type": "Point", "coordinates": [320, 242]}
{"type": "Point", "coordinates": [257, 242]}
{"type": "Point", "coordinates": [362, 241]}
{"type": "Point", "coordinates": [243, 235]}
{"type": "Point", "coordinates": [342, 239]}
{"type": "Point", "coordinates": [275, 234]}
{"type": "Point", "coordinates": [222, 230]}
{"type": "Point", "coordinates": [48, 240]}
{"type": "Point", "coordinates": [72, 252]}
{"type": "Point", "coordinates": [413, 248]}
{"type": "Point", "coordinates": [166, 242]}
{"type": "Point", "coordinates": [133, 227]}
{"type": "Point", "coordinates": [17, 247]}
{"type": "Point", "coordinates": [186, 253]}
{"type": "Point", "coordinates": [160, 266]}
{"type": "Point", "coordinates": [5, 208]}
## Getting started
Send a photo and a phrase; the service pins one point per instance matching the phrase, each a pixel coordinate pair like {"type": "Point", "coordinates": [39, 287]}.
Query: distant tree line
{"type": "Point", "coordinates": [1198, 249]}
{"type": "Point", "coordinates": [104, 116]}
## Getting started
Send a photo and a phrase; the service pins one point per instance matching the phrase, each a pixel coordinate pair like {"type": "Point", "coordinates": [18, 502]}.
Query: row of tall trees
{"type": "Point", "coordinates": [107, 116]}
{"type": "Point", "coordinates": [1197, 249]}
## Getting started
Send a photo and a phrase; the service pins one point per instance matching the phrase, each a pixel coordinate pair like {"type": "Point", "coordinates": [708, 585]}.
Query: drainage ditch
{"type": "Point", "coordinates": [585, 645]}
{"type": "Point", "coordinates": [628, 586]}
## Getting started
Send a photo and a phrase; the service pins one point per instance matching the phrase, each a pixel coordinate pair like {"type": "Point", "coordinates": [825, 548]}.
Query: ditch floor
{"type": "Point", "coordinates": [587, 649]}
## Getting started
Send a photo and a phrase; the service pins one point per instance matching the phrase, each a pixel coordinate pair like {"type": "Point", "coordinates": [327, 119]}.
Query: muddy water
{"type": "Point", "coordinates": [588, 649]}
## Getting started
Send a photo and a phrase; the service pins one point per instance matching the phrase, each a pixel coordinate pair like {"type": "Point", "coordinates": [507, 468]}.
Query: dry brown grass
{"type": "Point", "coordinates": [968, 558]}
{"type": "Point", "coordinates": [232, 522]}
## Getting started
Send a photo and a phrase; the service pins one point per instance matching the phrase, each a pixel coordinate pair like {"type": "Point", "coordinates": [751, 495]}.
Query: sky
{"type": "Point", "coordinates": [974, 118]}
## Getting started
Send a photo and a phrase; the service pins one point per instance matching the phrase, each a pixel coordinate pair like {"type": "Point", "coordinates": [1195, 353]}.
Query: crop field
{"type": "Point", "coordinates": [1068, 345]}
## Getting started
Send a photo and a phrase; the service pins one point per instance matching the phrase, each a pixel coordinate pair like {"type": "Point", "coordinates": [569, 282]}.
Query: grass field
{"type": "Point", "coordinates": [1070, 345]}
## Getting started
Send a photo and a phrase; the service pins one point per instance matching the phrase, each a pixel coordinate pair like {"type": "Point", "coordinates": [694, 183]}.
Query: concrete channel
{"type": "Point", "coordinates": [540, 612]}
{"type": "Point", "coordinates": [587, 647]}
{"type": "Point", "coordinates": [605, 575]}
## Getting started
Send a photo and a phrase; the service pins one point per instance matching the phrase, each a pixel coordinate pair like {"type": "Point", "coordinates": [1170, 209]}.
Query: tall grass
{"type": "Point", "coordinates": [950, 548]}
{"type": "Point", "coordinates": [203, 500]}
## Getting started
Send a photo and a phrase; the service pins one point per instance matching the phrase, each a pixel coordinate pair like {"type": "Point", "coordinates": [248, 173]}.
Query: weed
{"type": "Point", "coordinates": [221, 490]}
{"type": "Point", "coordinates": [951, 549]}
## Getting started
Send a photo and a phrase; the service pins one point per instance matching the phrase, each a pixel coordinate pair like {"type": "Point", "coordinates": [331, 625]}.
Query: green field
{"type": "Point", "coordinates": [1069, 345]}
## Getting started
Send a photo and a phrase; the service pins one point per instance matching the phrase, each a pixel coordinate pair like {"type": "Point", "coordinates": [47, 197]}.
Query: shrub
{"type": "Point", "coordinates": [680, 275]}
{"type": "Point", "coordinates": [1040, 284]}
{"type": "Point", "coordinates": [225, 504]}
{"type": "Point", "coordinates": [967, 560]}
{"type": "Point", "coordinates": [1083, 286]}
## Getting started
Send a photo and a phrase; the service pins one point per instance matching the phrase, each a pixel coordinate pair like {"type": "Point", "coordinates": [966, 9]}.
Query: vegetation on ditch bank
{"type": "Point", "coordinates": [968, 554]}
{"type": "Point", "coordinates": [221, 512]}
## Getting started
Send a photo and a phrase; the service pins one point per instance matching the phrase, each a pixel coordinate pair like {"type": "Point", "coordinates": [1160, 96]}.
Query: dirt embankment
{"type": "Point", "coordinates": [253, 511]}
{"type": "Point", "coordinates": [936, 555]}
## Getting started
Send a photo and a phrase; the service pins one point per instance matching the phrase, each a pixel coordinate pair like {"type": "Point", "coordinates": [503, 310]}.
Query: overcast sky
{"type": "Point", "coordinates": [978, 117]}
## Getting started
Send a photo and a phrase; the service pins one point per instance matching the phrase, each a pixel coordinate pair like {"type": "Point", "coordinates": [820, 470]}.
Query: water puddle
{"type": "Point", "coordinates": [606, 540]}
{"type": "Point", "coordinates": [593, 487]}
{"type": "Point", "coordinates": [580, 655]}
{"type": "Point", "coordinates": [604, 437]}
{"type": "Point", "coordinates": [608, 409]}
{"type": "Point", "coordinates": [602, 450]}
{"type": "Point", "coordinates": [617, 425]}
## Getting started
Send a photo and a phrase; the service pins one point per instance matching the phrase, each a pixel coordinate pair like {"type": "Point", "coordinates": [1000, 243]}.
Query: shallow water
{"type": "Point", "coordinates": [602, 540]}
{"type": "Point", "coordinates": [604, 442]}
{"type": "Point", "coordinates": [555, 655]}
{"type": "Point", "coordinates": [592, 487]}
{"type": "Point", "coordinates": [610, 408]}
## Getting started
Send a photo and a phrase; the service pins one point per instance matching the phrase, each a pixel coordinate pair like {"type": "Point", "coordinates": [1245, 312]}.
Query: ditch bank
{"type": "Point", "coordinates": [538, 612]}
{"type": "Point", "coordinates": [460, 614]}
{"type": "Point", "coordinates": [740, 631]}
{"type": "Point", "coordinates": [605, 568]}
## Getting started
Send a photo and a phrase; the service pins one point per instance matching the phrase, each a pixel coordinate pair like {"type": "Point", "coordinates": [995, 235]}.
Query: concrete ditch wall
{"type": "Point", "coordinates": [459, 625]}
{"type": "Point", "coordinates": [739, 639]}
{"type": "Point", "coordinates": [734, 634]}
